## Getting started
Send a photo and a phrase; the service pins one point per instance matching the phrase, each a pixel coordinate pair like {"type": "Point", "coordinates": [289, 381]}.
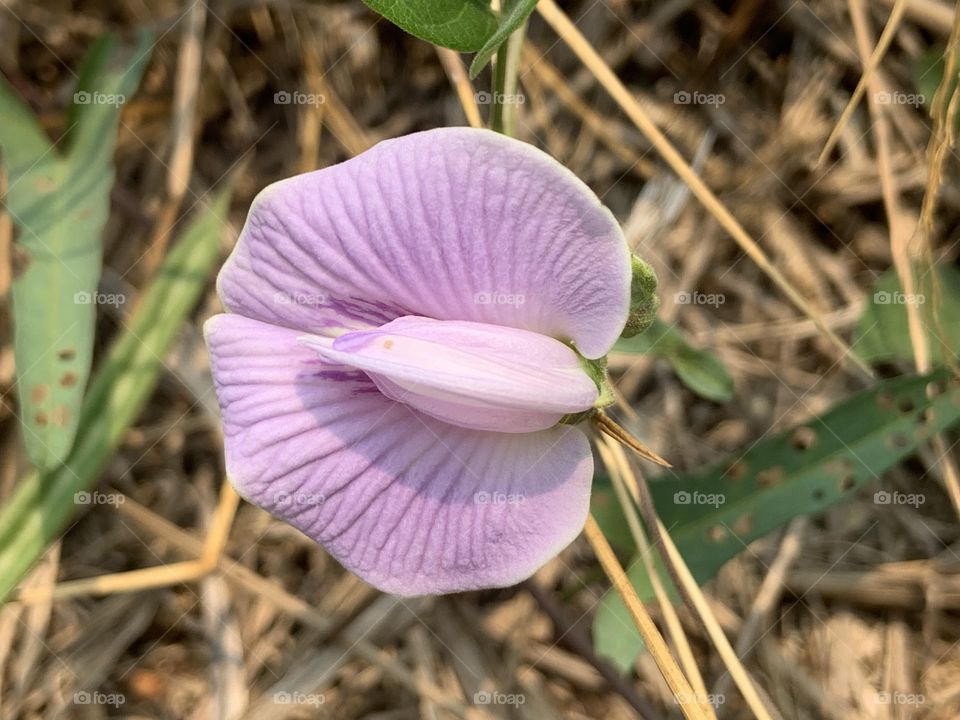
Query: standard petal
{"type": "Point", "coordinates": [479, 376]}
{"type": "Point", "coordinates": [452, 224]}
{"type": "Point", "coordinates": [411, 504]}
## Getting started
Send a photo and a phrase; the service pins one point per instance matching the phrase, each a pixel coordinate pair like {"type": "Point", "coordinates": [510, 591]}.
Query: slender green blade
{"type": "Point", "coordinates": [715, 513]}
{"type": "Point", "coordinates": [59, 205]}
{"type": "Point", "coordinates": [109, 76]}
{"type": "Point", "coordinates": [44, 501]}
{"type": "Point", "coordinates": [462, 25]}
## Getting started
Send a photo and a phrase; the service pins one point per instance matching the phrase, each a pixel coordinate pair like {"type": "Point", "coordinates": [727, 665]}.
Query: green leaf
{"type": "Point", "coordinates": [59, 205]}
{"type": "Point", "coordinates": [928, 73]}
{"type": "Point", "coordinates": [22, 140]}
{"type": "Point", "coordinates": [462, 25]}
{"type": "Point", "coordinates": [44, 501]}
{"type": "Point", "coordinates": [699, 370]}
{"type": "Point", "coordinates": [883, 334]}
{"type": "Point", "coordinates": [714, 513]}
{"type": "Point", "coordinates": [614, 634]}
{"type": "Point", "coordinates": [606, 510]}
{"type": "Point", "coordinates": [109, 77]}
{"type": "Point", "coordinates": [516, 15]}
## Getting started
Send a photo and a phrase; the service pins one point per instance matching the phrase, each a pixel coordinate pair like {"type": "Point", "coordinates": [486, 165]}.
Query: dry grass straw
{"type": "Point", "coordinates": [575, 40]}
{"type": "Point", "coordinates": [686, 584]}
{"type": "Point", "coordinates": [679, 685]}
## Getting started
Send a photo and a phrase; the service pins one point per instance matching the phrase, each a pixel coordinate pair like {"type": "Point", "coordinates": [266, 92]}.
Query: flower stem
{"type": "Point", "coordinates": [503, 101]}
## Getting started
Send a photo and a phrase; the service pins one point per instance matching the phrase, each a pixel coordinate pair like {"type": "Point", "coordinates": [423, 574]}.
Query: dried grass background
{"type": "Point", "coordinates": [839, 609]}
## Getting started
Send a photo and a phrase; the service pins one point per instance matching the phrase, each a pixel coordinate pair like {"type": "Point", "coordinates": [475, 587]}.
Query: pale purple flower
{"type": "Point", "coordinates": [404, 334]}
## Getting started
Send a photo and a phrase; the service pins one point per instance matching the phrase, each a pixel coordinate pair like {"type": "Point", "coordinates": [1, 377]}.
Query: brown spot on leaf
{"type": "Point", "coordinates": [736, 470]}
{"type": "Point", "coordinates": [66, 354]}
{"type": "Point", "coordinates": [41, 419]}
{"type": "Point", "coordinates": [61, 416]}
{"type": "Point", "coordinates": [803, 438]}
{"type": "Point", "coordinates": [20, 259]}
{"type": "Point", "coordinates": [770, 476]}
{"type": "Point", "coordinates": [886, 401]}
{"type": "Point", "coordinates": [743, 524]}
{"type": "Point", "coordinates": [843, 469]}
{"type": "Point", "coordinates": [387, 344]}
{"type": "Point", "coordinates": [44, 184]}
{"type": "Point", "coordinates": [38, 393]}
{"type": "Point", "coordinates": [896, 441]}
{"type": "Point", "coordinates": [69, 379]}
{"type": "Point", "coordinates": [717, 533]}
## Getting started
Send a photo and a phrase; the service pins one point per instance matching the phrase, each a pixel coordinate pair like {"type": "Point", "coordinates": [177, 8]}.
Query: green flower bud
{"type": "Point", "coordinates": [644, 302]}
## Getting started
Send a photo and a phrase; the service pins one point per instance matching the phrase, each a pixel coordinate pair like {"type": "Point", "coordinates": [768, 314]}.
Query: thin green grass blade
{"type": "Point", "coordinates": [44, 501]}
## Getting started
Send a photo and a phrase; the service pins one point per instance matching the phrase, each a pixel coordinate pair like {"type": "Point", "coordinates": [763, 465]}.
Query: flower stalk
{"type": "Point", "coordinates": [503, 107]}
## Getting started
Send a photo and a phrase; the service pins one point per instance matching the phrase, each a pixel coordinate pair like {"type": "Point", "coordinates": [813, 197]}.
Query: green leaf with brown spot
{"type": "Point", "coordinates": [43, 502]}
{"type": "Point", "coordinates": [58, 200]}
{"type": "Point", "coordinates": [713, 514]}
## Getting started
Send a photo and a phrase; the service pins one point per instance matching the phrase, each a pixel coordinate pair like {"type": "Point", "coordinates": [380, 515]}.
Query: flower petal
{"type": "Point", "coordinates": [485, 377]}
{"type": "Point", "coordinates": [452, 224]}
{"type": "Point", "coordinates": [411, 504]}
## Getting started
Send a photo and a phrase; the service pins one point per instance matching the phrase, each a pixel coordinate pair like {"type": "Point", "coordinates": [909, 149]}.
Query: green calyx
{"type": "Point", "coordinates": [597, 370]}
{"type": "Point", "coordinates": [644, 302]}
